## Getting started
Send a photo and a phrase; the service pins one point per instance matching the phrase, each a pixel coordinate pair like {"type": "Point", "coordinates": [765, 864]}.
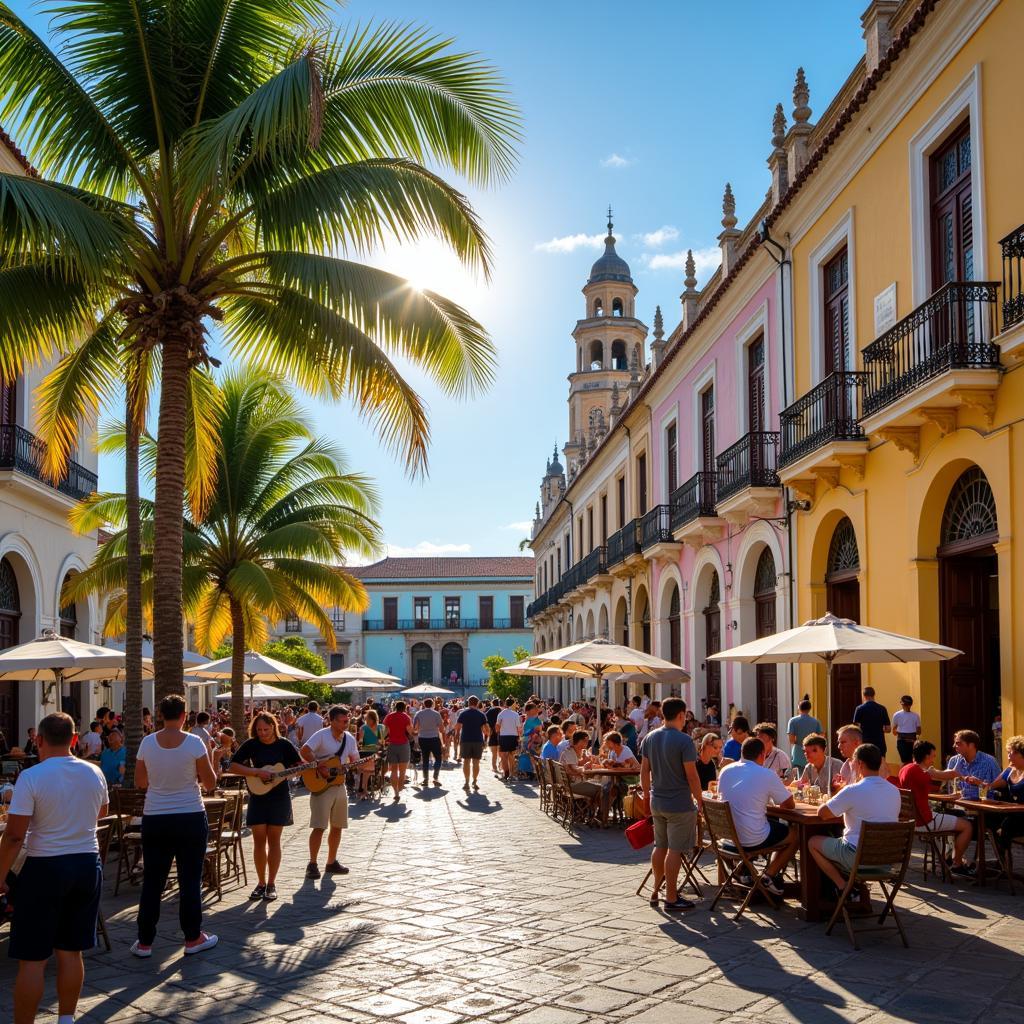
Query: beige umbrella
{"type": "Point", "coordinates": [832, 641]}
{"type": "Point", "coordinates": [365, 685]}
{"type": "Point", "coordinates": [258, 668]}
{"type": "Point", "coordinates": [263, 691]}
{"type": "Point", "coordinates": [357, 671]}
{"type": "Point", "coordinates": [427, 690]}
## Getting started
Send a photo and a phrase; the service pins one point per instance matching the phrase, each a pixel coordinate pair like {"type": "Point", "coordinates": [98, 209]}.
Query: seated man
{"type": "Point", "coordinates": [775, 758]}
{"type": "Point", "coordinates": [918, 777]}
{"type": "Point", "coordinates": [574, 758]}
{"type": "Point", "coordinates": [819, 769]}
{"type": "Point", "coordinates": [870, 798]}
{"type": "Point", "coordinates": [972, 763]}
{"type": "Point", "coordinates": [848, 739]}
{"type": "Point", "coordinates": [747, 785]}
{"type": "Point", "coordinates": [550, 751]}
{"type": "Point", "coordinates": [739, 730]}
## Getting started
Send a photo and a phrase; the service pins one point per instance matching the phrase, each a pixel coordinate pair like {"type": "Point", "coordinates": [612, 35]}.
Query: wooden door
{"type": "Point", "coordinates": [755, 386]}
{"type": "Point", "coordinates": [952, 227]}
{"type": "Point", "coordinates": [713, 644]}
{"type": "Point", "coordinates": [707, 423]}
{"type": "Point", "coordinates": [968, 606]}
{"type": "Point", "coordinates": [8, 690]}
{"type": "Point", "coordinates": [767, 675]}
{"type": "Point", "coordinates": [487, 613]}
{"type": "Point", "coordinates": [844, 601]}
{"type": "Point", "coordinates": [391, 613]}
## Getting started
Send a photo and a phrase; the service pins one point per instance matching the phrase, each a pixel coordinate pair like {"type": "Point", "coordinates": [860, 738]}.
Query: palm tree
{"type": "Point", "coordinates": [282, 517]}
{"type": "Point", "coordinates": [209, 161]}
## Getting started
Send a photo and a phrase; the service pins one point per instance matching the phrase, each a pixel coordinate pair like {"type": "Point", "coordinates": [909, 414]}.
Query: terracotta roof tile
{"type": "Point", "coordinates": [6, 140]}
{"type": "Point", "coordinates": [499, 567]}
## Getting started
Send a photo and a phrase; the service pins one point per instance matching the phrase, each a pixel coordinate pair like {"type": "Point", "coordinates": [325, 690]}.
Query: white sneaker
{"type": "Point", "coordinates": [208, 943]}
{"type": "Point", "coordinates": [142, 952]}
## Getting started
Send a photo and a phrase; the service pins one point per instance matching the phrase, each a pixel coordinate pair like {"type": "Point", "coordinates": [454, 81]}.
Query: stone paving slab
{"type": "Point", "coordinates": [465, 910]}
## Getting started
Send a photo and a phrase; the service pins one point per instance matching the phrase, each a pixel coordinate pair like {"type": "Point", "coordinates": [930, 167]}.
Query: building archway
{"type": "Point", "coordinates": [452, 660]}
{"type": "Point", "coordinates": [421, 659]}
{"type": "Point", "coordinates": [712, 616]}
{"type": "Point", "coordinates": [642, 618]}
{"type": "Point", "coordinates": [969, 606]}
{"type": "Point", "coordinates": [10, 636]}
{"type": "Point", "coordinates": [621, 622]}
{"type": "Point", "coordinates": [602, 621]}
{"type": "Point", "coordinates": [842, 588]}
{"type": "Point", "coordinates": [765, 625]}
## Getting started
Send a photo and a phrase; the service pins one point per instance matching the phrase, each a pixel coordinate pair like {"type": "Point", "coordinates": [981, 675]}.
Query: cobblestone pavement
{"type": "Point", "coordinates": [481, 909]}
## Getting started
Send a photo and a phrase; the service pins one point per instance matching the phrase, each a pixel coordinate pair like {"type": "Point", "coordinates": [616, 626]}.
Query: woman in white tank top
{"type": "Point", "coordinates": [171, 766]}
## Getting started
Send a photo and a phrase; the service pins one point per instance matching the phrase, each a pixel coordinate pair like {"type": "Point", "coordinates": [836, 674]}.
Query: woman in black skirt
{"type": "Point", "coordinates": [269, 813]}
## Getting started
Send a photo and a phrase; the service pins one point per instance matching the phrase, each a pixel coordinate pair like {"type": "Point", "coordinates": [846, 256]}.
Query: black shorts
{"type": "Point", "coordinates": [777, 833]}
{"type": "Point", "coordinates": [56, 903]}
{"type": "Point", "coordinates": [273, 808]}
{"type": "Point", "coordinates": [508, 744]}
{"type": "Point", "coordinates": [492, 739]}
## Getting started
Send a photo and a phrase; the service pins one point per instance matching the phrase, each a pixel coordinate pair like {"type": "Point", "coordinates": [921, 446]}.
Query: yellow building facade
{"type": "Point", "coordinates": [903, 448]}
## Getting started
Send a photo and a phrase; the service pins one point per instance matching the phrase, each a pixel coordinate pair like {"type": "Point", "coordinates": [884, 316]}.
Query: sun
{"type": "Point", "coordinates": [432, 266]}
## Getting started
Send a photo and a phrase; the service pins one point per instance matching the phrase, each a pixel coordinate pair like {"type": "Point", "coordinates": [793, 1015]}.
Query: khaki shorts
{"type": "Point", "coordinates": [675, 830]}
{"type": "Point", "coordinates": [940, 823]}
{"type": "Point", "coordinates": [329, 808]}
{"type": "Point", "coordinates": [840, 852]}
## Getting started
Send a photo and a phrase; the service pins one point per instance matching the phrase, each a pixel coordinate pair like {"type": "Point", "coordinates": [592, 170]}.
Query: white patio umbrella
{"type": "Point", "coordinates": [832, 641]}
{"type": "Point", "coordinates": [427, 690]}
{"type": "Point", "coordinates": [368, 685]}
{"type": "Point", "coordinates": [258, 668]}
{"type": "Point", "coordinates": [358, 671]}
{"type": "Point", "coordinates": [263, 691]}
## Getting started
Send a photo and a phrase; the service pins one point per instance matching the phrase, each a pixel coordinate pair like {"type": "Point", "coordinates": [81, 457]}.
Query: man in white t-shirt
{"type": "Point", "coordinates": [636, 715]}
{"type": "Point", "coordinates": [907, 726]}
{"type": "Point", "coordinates": [509, 725]}
{"type": "Point", "coordinates": [747, 786]}
{"type": "Point", "coordinates": [328, 809]}
{"type": "Point", "coordinates": [202, 730]}
{"type": "Point", "coordinates": [312, 721]}
{"type": "Point", "coordinates": [870, 798]}
{"type": "Point", "coordinates": [775, 758]}
{"type": "Point", "coordinates": [53, 818]}
{"type": "Point", "coordinates": [90, 744]}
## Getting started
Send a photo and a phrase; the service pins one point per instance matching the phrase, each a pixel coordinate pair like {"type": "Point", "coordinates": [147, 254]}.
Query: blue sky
{"type": "Point", "coordinates": [650, 106]}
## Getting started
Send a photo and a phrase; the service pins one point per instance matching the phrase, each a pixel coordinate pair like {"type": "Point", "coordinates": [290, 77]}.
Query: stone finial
{"type": "Point", "coordinates": [615, 399]}
{"type": "Point", "coordinates": [778, 127]}
{"type": "Point", "coordinates": [659, 324]}
{"type": "Point", "coordinates": [634, 362]}
{"type": "Point", "coordinates": [691, 272]}
{"type": "Point", "coordinates": [778, 162]}
{"type": "Point", "coordinates": [658, 345]}
{"type": "Point", "coordinates": [689, 297]}
{"type": "Point", "coordinates": [801, 98]}
{"type": "Point", "coordinates": [728, 208]}
{"type": "Point", "coordinates": [536, 511]}
{"type": "Point", "coordinates": [876, 23]}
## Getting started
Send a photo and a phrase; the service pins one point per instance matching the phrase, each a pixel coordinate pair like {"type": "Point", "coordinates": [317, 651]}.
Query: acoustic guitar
{"type": "Point", "coordinates": [278, 773]}
{"type": "Point", "coordinates": [316, 783]}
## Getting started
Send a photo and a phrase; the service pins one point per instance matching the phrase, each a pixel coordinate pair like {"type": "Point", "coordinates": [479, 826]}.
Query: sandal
{"type": "Point", "coordinates": [270, 893]}
{"type": "Point", "coordinates": [259, 893]}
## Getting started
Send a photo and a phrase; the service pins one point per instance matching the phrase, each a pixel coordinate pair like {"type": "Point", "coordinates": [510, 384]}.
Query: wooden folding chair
{"type": "Point", "coordinates": [733, 861]}
{"type": "Point", "coordinates": [883, 854]}
{"type": "Point", "coordinates": [933, 840]}
{"type": "Point", "coordinates": [544, 786]}
{"type": "Point", "coordinates": [570, 804]}
{"type": "Point", "coordinates": [234, 847]}
{"type": "Point", "coordinates": [216, 845]}
{"type": "Point", "coordinates": [126, 805]}
{"type": "Point", "coordinates": [105, 829]}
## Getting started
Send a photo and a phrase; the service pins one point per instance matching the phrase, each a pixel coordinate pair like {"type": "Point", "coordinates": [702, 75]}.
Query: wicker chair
{"type": "Point", "coordinates": [883, 854]}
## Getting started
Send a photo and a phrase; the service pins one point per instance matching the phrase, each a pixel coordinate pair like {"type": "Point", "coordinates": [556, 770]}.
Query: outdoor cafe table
{"type": "Point", "coordinates": [978, 809]}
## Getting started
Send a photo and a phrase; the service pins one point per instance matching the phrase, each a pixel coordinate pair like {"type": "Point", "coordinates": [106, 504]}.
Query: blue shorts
{"type": "Point", "coordinates": [56, 904]}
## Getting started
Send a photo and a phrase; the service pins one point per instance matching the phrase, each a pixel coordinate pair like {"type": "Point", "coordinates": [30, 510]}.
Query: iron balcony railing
{"type": "Point", "coordinates": [656, 526]}
{"type": "Point", "coordinates": [1013, 277]}
{"type": "Point", "coordinates": [411, 625]}
{"type": "Point", "coordinates": [21, 450]}
{"type": "Point", "coordinates": [828, 412]}
{"type": "Point", "coordinates": [751, 462]}
{"type": "Point", "coordinates": [951, 331]}
{"type": "Point", "coordinates": [573, 577]}
{"type": "Point", "coordinates": [693, 499]}
{"type": "Point", "coordinates": [624, 543]}
{"type": "Point", "coordinates": [595, 563]}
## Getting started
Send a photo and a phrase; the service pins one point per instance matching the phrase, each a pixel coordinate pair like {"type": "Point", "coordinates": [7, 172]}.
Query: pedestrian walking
{"type": "Point", "coordinates": [426, 726]}
{"type": "Point", "coordinates": [399, 728]}
{"type": "Point", "coordinates": [873, 720]}
{"type": "Point", "coordinates": [471, 732]}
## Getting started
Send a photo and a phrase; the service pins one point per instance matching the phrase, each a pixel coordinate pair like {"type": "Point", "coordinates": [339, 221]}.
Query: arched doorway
{"type": "Point", "coordinates": [969, 606]}
{"type": "Point", "coordinates": [675, 647]}
{"type": "Point", "coordinates": [452, 661]}
{"type": "Point", "coordinates": [842, 590]}
{"type": "Point", "coordinates": [643, 616]}
{"type": "Point", "coordinates": [74, 701]}
{"type": "Point", "coordinates": [422, 659]}
{"type": "Point", "coordinates": [764, 617]}
{"type": "Point", "coordinates": [621, 622]}
{"type": "Point", "coordinates": [10, 628]}
{"type": "Point", "coordinates": [713, 642]}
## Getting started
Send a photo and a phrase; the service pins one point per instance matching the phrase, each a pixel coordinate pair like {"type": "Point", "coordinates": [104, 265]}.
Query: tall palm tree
{"type": "Point", "coordinates": [282, 516]}
{"type": "Point", "coordinates": [219, 161]}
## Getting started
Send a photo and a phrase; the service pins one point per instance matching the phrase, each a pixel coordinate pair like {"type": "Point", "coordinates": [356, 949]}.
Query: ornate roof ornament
{"type": "Point", "coordinates": [616, 404]}
{"type": "Point", "coordinates": [691, 270]}
{"type": "Point", "coordinates": [728, 208]}
{"type": "Point", "coordinates": [659, 324]}
{"type": "Point", "coordinates": [778, 127]}
{"type": "Point", "coordinates": [801, 98]}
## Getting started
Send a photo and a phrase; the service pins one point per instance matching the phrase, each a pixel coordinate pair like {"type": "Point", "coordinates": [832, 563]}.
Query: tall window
{"type": "Point", "coordinates": [671, 459]}
{"type": "Point", "coordinates": [452, 609]}
{"type": "Point", "coordinates": [8, 402]}
{"type": "Point", "coordinates": [421, 612]}
{"type": "Point", "coordinates": [621, 483]}
{"type": "Point", "coordinates": [707, 429]}
{"type": "Point", "coordinates": [604, 518]}
{"type": "Point", "coordinates": [558, 558]}
{"type": "Point", "coordinates": [292, 624]}
{"type": "Point", "coordinates": [487, 613]}
{"type": "Point", "coordinates": [391, 613]}
{"type": "Point", "coordinates": [952, 221]}
{"type": "Point", "coordinates": [590, 528]}
{"type": "Point", "coordinates": [837, 313]}
{"type": "Point", "coordinates": [641, 484]}
{"type": "Point", "coordinates": [337, 661]}
{"type": "Point", "coordinates": [515, 611]}
{"type": "Point", "coordinates": [755, 385]}
{"type": "Point", "coordinates": [568, 553]}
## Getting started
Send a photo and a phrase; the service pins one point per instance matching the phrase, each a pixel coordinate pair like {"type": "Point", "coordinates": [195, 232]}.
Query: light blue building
{"type": "Point", "coordinates": [434, 620]}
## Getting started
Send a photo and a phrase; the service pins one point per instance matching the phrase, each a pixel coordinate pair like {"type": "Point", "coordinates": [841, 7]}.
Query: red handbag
{"type": "Point", "coordinates": [640, 833]}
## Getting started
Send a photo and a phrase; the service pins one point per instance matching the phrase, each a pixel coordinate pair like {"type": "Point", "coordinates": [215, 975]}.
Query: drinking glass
{"type": "Point", "coordinates": [713, 787]}
{"type": "Point", "coordinates": [982, 790]}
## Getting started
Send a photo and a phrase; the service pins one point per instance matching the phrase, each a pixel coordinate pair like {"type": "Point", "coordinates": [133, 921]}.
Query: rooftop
{"type": "Point", "coordinates": [484, 567]}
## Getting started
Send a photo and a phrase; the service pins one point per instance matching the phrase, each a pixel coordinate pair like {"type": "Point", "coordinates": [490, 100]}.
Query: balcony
{"type": "Point", "coordinates": [936, 360]}
{"type": "Point", "coordinates": [821, 433]}
{"type": "Point", "coordinates": [656, 540]}
{"type": "Point", "coordinates": [694, 519]}
{"type": "Point", "coordinates": [439, 625]}
{"type": "Point", "coordinates": [23, 452]}
{"type": "Point", "coordinates": [595, 570]}
{"type": "Point", "coordinates": [624, 548]}
{"type": "Point", "coordinates": [1011, 340]}
{"type": "Point", "coordinates": [748, 480]}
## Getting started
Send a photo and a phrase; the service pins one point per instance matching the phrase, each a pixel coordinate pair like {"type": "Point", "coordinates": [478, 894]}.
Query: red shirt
{"type": "Point", "coordinates": [399, 727]}
{"type": "Point", "coordinates": [919, 782]}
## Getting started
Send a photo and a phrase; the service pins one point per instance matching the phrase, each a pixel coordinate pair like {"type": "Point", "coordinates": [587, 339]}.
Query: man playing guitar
{"type": "Point", "coordinates": [329, 809]}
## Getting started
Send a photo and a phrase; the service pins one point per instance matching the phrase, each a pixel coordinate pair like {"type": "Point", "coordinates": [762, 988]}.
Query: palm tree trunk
{"type": "Point", "coordinates": [133, 596]}
{"type": "Point", "coordinates": [237, 670]}
{"type": "Point", "coordinates": [168, 642]}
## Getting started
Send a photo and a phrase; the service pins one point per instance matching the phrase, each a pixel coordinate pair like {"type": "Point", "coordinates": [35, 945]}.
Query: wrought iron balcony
{"type": "Point", "coordinates": [828, 412]}
{"type": "Point", "coordinates": [1013, 277]}
{"type": "Point", "coordinates": [694, 500]}
{"type": "Point", "coordinates": [750, 462]}
{"type": "Point", "coordinates": [594, 564]}
{"type": "Point", "coordinates": [21, 450]}
{"type": "Point", "coordinates": [951, 331]}
{"type": "Point", "coordinates": [656, 527]}
{"type": "Point", "coordinates": [573, 577]}
{"type": "Point", "coordinates": [412, 625]}
{"type": "Point", "coordinates": [624, 543]}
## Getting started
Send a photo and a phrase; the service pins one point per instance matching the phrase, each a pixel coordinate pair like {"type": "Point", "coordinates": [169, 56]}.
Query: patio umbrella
{"type": "Point", "coordinates": [427, 690]}
{"type": "Point", "coordinates": [263, 691]}
{"type": "Point", "coordinates": [258, 668]}
{"type": "Point", "coordinates": [358, 671]}
{"type": "Point", "coordinates": [832, 641]}
{"type": "Point", "coordinates": [59, 659]}
{"type": "Point", "coordinates": [364, 684]}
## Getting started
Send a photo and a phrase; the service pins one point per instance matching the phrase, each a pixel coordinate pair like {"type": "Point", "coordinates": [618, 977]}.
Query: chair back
{"type": "Point", "coordinates": [128, 803]}
{"type": "Point", "coordinates": [720, 824]}
{"type": "Point", "coordinates": [106, 828]}
{"type": "Point", "coordinates": [885, 844]}
{"type": "Point", "coordinates": [216, 817]}
{"type": "Point", "coordinates": [908, 809]}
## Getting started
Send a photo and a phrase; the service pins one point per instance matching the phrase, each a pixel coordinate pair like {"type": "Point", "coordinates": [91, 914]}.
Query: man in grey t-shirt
{"type": "Point", "coordinates": [426, 726]}
{"type": "Point", "coordinates": [669, 780]}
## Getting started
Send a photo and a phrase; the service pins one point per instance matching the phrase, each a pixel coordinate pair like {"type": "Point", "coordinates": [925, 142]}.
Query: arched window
{"type": "Point", "coordinates": [843, 556]}
{"type": "Point", "coordinates": [68, 615]}
{"type": "Point", "coordinates": [598, 307]}
{"type": "Point", "coordinates": [674, 640]}
{"type": "Point", "coordinates": [764, 574]}
{"type": "Point", "coordinates": [619, 355]}
{"type": "Point", "coordinates": [970, 513]}
{"type": "Point", "coordinates": [422, 658]}
{"type": "Point", "coordinates": [451, 661]}
{"type": "Point", "coordinates": [616, 307]}
{"type": "Point", "coordinates": [645, 625]}
{"type": "Point", "coordinates": [10, 605]}
{"type": "Point", "coordinates": [596, 355]}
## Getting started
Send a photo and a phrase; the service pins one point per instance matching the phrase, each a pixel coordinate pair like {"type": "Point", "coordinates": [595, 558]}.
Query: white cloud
{"type": "Point", "coordinates": [706, 260]}
{"type": "Point", "coordinates": [524, 527]}
{"type": "Point", "coordinates": [656, 239]}
{"type": "Point", "coordinates": [427, 549]}
{"type": "Point", "coordinates": [570, 243]}
{"type": "Point", "coordinates": [617, 161]}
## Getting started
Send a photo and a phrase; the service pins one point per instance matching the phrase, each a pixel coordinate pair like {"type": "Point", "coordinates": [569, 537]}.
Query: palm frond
{"type": "Point", "coordinates": [202, 441]}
